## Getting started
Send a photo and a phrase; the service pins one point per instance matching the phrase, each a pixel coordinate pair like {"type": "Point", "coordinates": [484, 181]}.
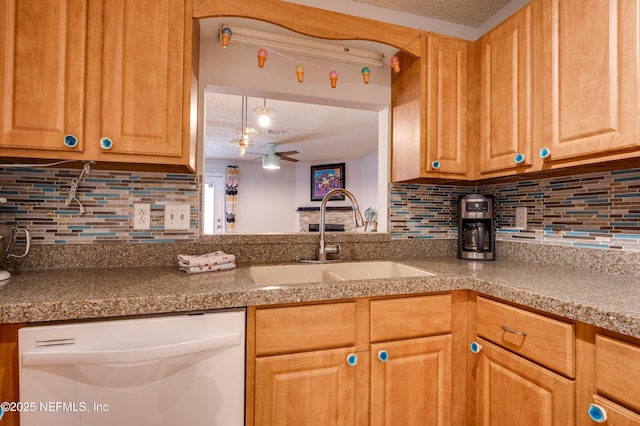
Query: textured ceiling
{"type": "Point", "coordinates": [471, 13]}
{"type": "Point", "coordinates": [317, 132]}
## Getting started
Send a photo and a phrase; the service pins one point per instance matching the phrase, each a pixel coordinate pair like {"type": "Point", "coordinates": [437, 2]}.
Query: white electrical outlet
{"type": "Point", "coordinates": [141, 216]}
{"type": "Point", "coordinates": [521, 217]}
{"type": "Point", "coordinates": [177, 217]}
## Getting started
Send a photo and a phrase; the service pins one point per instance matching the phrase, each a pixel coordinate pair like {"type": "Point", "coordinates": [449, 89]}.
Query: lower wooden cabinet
{"type": "Point", "coordinates": [514, 391]}
{"type": "Point", "coordinates": [614, 385]}
{"type": "Point", "coordinates": [411, 382]}
{"type": "Point", "coordinates": [311, 388]}
{"type": "Point", "coordinates": [524, 367]}
{"type": "Point", "coordinates": [351, 363]}
{"type": "Point", "coordinates": [9, 370]}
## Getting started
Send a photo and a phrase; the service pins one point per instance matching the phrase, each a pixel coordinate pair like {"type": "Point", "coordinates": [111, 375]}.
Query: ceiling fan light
{"type": "Point", "coordinates": [264, 120]}
{"type": "Point", "coordinates": [271, 162]}
{"type": "Point", "coordinates": [264, 114]}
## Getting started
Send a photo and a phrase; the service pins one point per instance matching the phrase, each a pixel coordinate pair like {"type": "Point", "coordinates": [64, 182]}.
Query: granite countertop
{"type": "Point", "coordinates": [596, 298]}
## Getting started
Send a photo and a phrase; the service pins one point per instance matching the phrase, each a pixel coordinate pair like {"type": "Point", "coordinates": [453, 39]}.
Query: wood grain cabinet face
{"type": "Point", "coordinates": [9, 359]}
{"type": "Point", "coordinates": [446, 105]}
{"type": "Point", "coordinates": [539, 338]}
{"type": "Point", "coordinates": [142, 76]}
{"type": "Point", "coordinates": [42, 91]}
{"type": "Point", "coordinates": [413, 386]}
{"type": "Point", "coordinates": [591, 82]}
{"type": "Point", "coordinates": [506, 93]}
{"type": "Point", "coordinates": [429, 102]}
{"type": "Point", "coordinates": [617, 379]}
{"type": "Point", "coordinates": [75, 72]}
{"type": "Point", "coordinates": [513, 391]}
{"type": "Point", "coordinates": [310, 388]}
{"type": "Point", "coordinates": [515, 383]}
{"type": "Point", "coordinates": [363, 362]}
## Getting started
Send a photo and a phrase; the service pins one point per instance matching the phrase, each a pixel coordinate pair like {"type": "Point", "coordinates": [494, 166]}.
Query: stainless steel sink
{"type": "Point", "coordinates": [328, 272]}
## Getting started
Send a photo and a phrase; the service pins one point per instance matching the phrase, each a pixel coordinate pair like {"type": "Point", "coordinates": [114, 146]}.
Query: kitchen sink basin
{"type": "Point", "coordinates": [328, 272]}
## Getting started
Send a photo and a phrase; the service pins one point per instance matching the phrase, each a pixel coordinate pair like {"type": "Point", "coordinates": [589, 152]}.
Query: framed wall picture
{"type": "Point", "coordinates": [324, 178]}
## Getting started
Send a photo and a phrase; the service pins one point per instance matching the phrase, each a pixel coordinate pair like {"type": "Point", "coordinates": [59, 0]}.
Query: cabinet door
{"type": "Point", "coordinates": [408, 118]}
{"type": "Point", "coordinates": [143, 76]}
{"type": "Point", "coordinates": [411, 382]}
{"type": "Point", "coordinates": [446, 105]}
{"type": "Point", "coordinates": [311, 388]}
{"type": "Point", "coordinates": [42, 95]}
{"type": "Point", "coordinates": [429, 111]}
{"type": "Point", "coordinates": [9, 360]}
{"type": "Point", "coordinates": [591, 66]}
{"type": "Point", "coordinates": [506, 94]}
{"type": "Point", "coordinates": [513, 391]}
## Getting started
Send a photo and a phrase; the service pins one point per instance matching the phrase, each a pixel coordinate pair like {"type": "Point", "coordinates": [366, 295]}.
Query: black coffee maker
{"type": "Point", "coordinates": [476, 227]}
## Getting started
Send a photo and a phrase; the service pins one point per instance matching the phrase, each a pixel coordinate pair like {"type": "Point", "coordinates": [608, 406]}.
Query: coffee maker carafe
{"type": "Point", "coordinates": [476, 227]}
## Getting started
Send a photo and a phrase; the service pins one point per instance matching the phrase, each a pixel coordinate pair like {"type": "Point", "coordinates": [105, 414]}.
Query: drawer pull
{"type": "Point", "coordinates": [597, 413]}
{"type": "Point", "coordinates": [435, 164]}
{"type": "Point", "coordinates": [508, 330]}
{"type": "Point", "coordinates": [352, 359]}
{"type": "Point", "coordinates": [383, 355]}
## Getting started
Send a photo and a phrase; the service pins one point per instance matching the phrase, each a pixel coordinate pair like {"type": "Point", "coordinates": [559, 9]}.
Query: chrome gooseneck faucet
{"type": "Point", "coordinates": [335, 248]}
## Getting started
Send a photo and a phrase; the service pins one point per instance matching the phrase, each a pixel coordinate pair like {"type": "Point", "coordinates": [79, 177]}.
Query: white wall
{"type": "Point", "coordinates": [268, 199]}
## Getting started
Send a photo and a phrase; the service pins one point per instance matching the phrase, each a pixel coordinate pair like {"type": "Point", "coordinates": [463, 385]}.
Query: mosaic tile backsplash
{"type": "Point", "coordinates": [599, 210]}
{"type": "Point", "coordinates": [37, 200]}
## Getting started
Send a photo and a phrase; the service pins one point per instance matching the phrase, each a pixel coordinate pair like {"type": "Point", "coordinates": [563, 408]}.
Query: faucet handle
{"type": "Point", "coordinates": [332, 248]}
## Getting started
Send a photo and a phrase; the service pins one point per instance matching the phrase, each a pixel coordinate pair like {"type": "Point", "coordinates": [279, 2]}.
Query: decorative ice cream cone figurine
{"type": "Point", "coordinates": [262, 57]}
{"type": "Point", "coordinates": [225, 36]}
{"type": "Point", "coordinates": [300, 73]}
{"type": "Point", "coordinates": [366, 72]}
{"type": "Point", "coordinates": [333, 76]}
{"type": "Point", "coordinates": [395, 63]}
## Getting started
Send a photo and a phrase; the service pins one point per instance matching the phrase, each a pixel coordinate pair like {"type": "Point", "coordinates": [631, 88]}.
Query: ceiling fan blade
{"type": "Point", "coordinates": [284, 153]}
{"type": "Point", "coordinates": [285, 158]}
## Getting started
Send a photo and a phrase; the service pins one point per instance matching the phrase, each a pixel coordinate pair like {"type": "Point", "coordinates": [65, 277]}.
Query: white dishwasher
{"type": "Point", "coordinates": [164, 370]}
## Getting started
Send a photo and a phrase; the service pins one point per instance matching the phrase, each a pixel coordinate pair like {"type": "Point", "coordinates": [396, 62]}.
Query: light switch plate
{"type": "Point", "coordinates": [177, 217]}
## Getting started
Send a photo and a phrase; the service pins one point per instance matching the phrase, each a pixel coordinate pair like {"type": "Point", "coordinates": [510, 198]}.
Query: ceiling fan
{"type": "Point", "coordinates": [271, 159]}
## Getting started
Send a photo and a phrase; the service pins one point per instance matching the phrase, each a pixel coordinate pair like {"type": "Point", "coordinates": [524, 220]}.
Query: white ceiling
{"type": "Point", "coordinates": [319, 132]}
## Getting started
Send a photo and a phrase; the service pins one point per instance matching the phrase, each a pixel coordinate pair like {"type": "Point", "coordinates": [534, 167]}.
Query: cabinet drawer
{"type": "Point", "coordinates": [541, 339]}
{"type": "Point", "coordinates": [300, 328]}
{"type": "Point", "coordinates": [617, 415]}
{"type": "Point", "coordinates": [617, 372]}
{"type": "Point", "coordinates": [408, 317]}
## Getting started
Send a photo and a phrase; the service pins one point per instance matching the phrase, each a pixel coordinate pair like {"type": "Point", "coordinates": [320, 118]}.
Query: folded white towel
{"type": "Point", "coordinates": [213, 268]}
{"type": "Point", "coordinates": [210, 259]}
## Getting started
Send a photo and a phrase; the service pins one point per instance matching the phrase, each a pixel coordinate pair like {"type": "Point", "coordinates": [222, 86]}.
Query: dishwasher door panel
{"type": "Point", "coordinates": [185, 369]}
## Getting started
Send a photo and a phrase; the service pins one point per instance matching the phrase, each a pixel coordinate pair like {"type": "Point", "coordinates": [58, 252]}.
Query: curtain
{"type": "Point", "coordinates": [231, 195]}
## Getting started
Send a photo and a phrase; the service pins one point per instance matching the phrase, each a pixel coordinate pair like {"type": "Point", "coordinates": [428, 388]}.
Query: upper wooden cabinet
{"type": "Point", "coordinates": [507, 100]}
{"type": "Point", "coordinates": [42, 88]}
{"type": "Point", "coordinates": [591, 111]}
{"type": "Point", "coordinates": [553, 86]}
{"type": "Point", "coordinates": [104, 81]}
{"type": "Point", "coordinates": [429, 108]}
